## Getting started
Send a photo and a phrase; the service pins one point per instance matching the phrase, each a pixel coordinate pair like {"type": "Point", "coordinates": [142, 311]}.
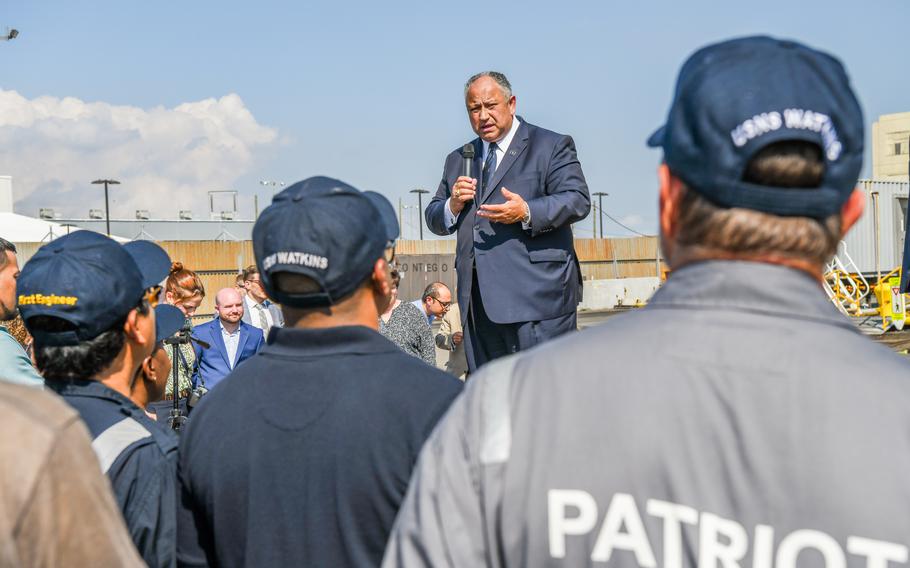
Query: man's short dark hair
{"type": "Point", "coordinates": [78, 362]}
{"type": "Point", "coordinates": [248, 272]}
{"type": "Point", "coordinates": [5, 246]}
{"type": "Point", "coordinates": [294, 283]}
{"type": "Point", "coordinates": [706, 228]}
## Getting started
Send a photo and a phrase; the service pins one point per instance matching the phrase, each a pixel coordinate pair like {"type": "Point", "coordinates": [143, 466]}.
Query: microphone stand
{"type": "Point", "coordinates": [183, 337]}
{"type": "Point", "coordinates": [176, 418]}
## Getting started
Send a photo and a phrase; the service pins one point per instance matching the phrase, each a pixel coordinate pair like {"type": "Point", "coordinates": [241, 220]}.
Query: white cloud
{"type": "Point", "coordinates": [165, 158]}
{"type": "Point", "coordinates": [633, 220]}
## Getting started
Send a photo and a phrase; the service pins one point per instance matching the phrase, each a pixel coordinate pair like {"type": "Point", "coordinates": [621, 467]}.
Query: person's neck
{"type": "Point", "coordinates": [120, 373]}
{"type": "Point", "coordinates": [684, 257]}
{"type": "Point", "coordinates": [230, 327]}
{"type": "Point", "coordinates": [391, 308]}
{"type": "Point", "coordinates": [256, 299]}
{"type": "Point", "coordinates": [140, 394]}
{"type": "Point", "coordinates": [322, 321]}
{"type": "Point", "coordinates": [358, 310]}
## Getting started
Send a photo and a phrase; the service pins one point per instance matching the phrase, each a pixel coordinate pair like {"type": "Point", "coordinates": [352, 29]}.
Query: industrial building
{"type": "Point", "coordinates": [891, 147]}
{"type": "Point", "coordinates": [169, 229]}
{"type": "Point", "coordinates": [22, 228]}
{"type": "Point", "coordinates": [221, 225]}
{"type": "Point", "coordinates": [876, 243]}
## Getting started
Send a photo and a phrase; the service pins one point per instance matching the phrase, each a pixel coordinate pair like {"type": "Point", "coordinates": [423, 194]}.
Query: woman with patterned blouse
{"type": "Point", "coordinates": [405, 325]}
{"type": "Point", "coordinates": [184, 290]}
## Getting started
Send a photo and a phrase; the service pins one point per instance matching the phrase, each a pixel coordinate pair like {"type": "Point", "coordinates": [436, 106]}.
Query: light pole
{"type": "Point", "coordinates": [594, 222]}
{"type": "Point", "coordinates": [420, 193]}
{"type": "Point", "coordinates": [600, 207]}
{"type": "Point", "coordinates": [107, 207]}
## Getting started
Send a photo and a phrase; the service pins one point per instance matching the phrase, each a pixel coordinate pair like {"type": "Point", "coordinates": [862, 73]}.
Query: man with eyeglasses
{"type": "Point", "coordinates": [435, 301]}
{"type": "Point", "coordinates": [258, 310]}
{"type": "Point", "coordinates": [88, 302]}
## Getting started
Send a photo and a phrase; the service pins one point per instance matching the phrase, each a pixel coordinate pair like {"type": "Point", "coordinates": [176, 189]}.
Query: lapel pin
{"type": "Point", "coordinates": [512, 152]}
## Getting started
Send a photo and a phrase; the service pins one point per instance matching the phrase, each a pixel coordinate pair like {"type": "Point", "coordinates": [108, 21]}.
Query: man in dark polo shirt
{"type": "Point", "coordinates": [301, 456]}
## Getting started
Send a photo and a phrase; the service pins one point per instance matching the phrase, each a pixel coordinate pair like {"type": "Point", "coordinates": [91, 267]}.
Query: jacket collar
{"type": "Point", "coordinates": [354, 339]}
{"type": "Point", "coordinates": [218, 340]}
{"type": "Point", "coordinates": [92, 389]}
{"type": "Point", "coordinates": [516, 148]}
{"type": "Point", "coordinates": [749, 287]}
{"type": "Point", "coordinates": [506, 140]}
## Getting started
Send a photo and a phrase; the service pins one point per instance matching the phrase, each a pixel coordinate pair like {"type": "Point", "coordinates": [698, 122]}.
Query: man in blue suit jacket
{"type": "Point", "coordinates": [519, 281]}
{"type": "Point", "coordinates": [232, 341]}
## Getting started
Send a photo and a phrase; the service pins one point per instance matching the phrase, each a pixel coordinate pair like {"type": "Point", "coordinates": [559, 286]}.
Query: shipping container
{"type": "Point", "coordinates": [884, 222]}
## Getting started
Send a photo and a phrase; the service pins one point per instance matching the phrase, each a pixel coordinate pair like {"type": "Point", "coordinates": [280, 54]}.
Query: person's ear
{"type": "Point", "coordinates": [149, 371]}
{"type": "Point", "coordinates": [852, 210]}
{"type": "Point", "coordinates": [134, 331]}
{"type": "Point", "coordinates": [382, 278]}
{"type": "Point", "coordinates": [382, 284]}
{"type": "Point", "coordinates": [672, 190]}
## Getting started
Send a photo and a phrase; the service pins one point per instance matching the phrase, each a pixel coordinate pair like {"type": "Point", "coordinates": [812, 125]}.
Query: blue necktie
{"type": "Point", "coordinates": [489, 167]}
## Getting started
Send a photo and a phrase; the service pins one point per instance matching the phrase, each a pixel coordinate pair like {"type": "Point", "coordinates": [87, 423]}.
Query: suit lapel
{"type": "Point", "coordinates": [218, 340]}
{"type": "Point", "coordinates": [244, 334]}
{"type": "Point", "coordinates": [518, 145]}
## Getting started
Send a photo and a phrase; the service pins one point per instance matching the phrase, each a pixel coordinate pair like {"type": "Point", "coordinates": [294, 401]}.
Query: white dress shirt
{"type": "Point", "coordinates": [253, 308]}
{"type": "Point", "coordinates": [231, 342]}
{"type": "Point", "coordinates": [502, 146]}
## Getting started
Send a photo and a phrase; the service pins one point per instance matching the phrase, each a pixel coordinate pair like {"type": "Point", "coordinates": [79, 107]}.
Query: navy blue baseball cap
{"type": "Point", "coordinates": [88, 280]}
{"type": "Point", "coordinates": [168, 321]}
{"type": "Point", "coordinates": [326, 230]}
{"type": "Point", "coordinates": [386, 215]}
{"type": "Point", "coordinates": [737, 97]}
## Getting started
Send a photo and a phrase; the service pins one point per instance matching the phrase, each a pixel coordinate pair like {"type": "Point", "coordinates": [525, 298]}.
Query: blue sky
{"type": "Point", "coordinates": [369, 92]}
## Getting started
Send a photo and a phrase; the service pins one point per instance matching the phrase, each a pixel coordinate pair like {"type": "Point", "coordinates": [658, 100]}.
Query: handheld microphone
{"type": "Point", "coordinates": [467, 151]}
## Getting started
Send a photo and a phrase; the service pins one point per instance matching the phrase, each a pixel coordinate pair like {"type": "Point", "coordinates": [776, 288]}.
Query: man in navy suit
{"type": "Point", "coordinates": [519, 281]}
{"type": "Point", "coordinates": [232, 341]}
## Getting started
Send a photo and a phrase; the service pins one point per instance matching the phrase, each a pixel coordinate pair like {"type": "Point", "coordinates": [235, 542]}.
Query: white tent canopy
{"type": "Point", "coordinates": [21, 229]}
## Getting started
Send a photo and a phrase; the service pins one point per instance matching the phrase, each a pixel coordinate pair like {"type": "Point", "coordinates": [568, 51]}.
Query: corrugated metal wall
{"type": "Point", "coordinates": [218, 262]}
{"type": "Point", "coordinates": [891, 198]}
